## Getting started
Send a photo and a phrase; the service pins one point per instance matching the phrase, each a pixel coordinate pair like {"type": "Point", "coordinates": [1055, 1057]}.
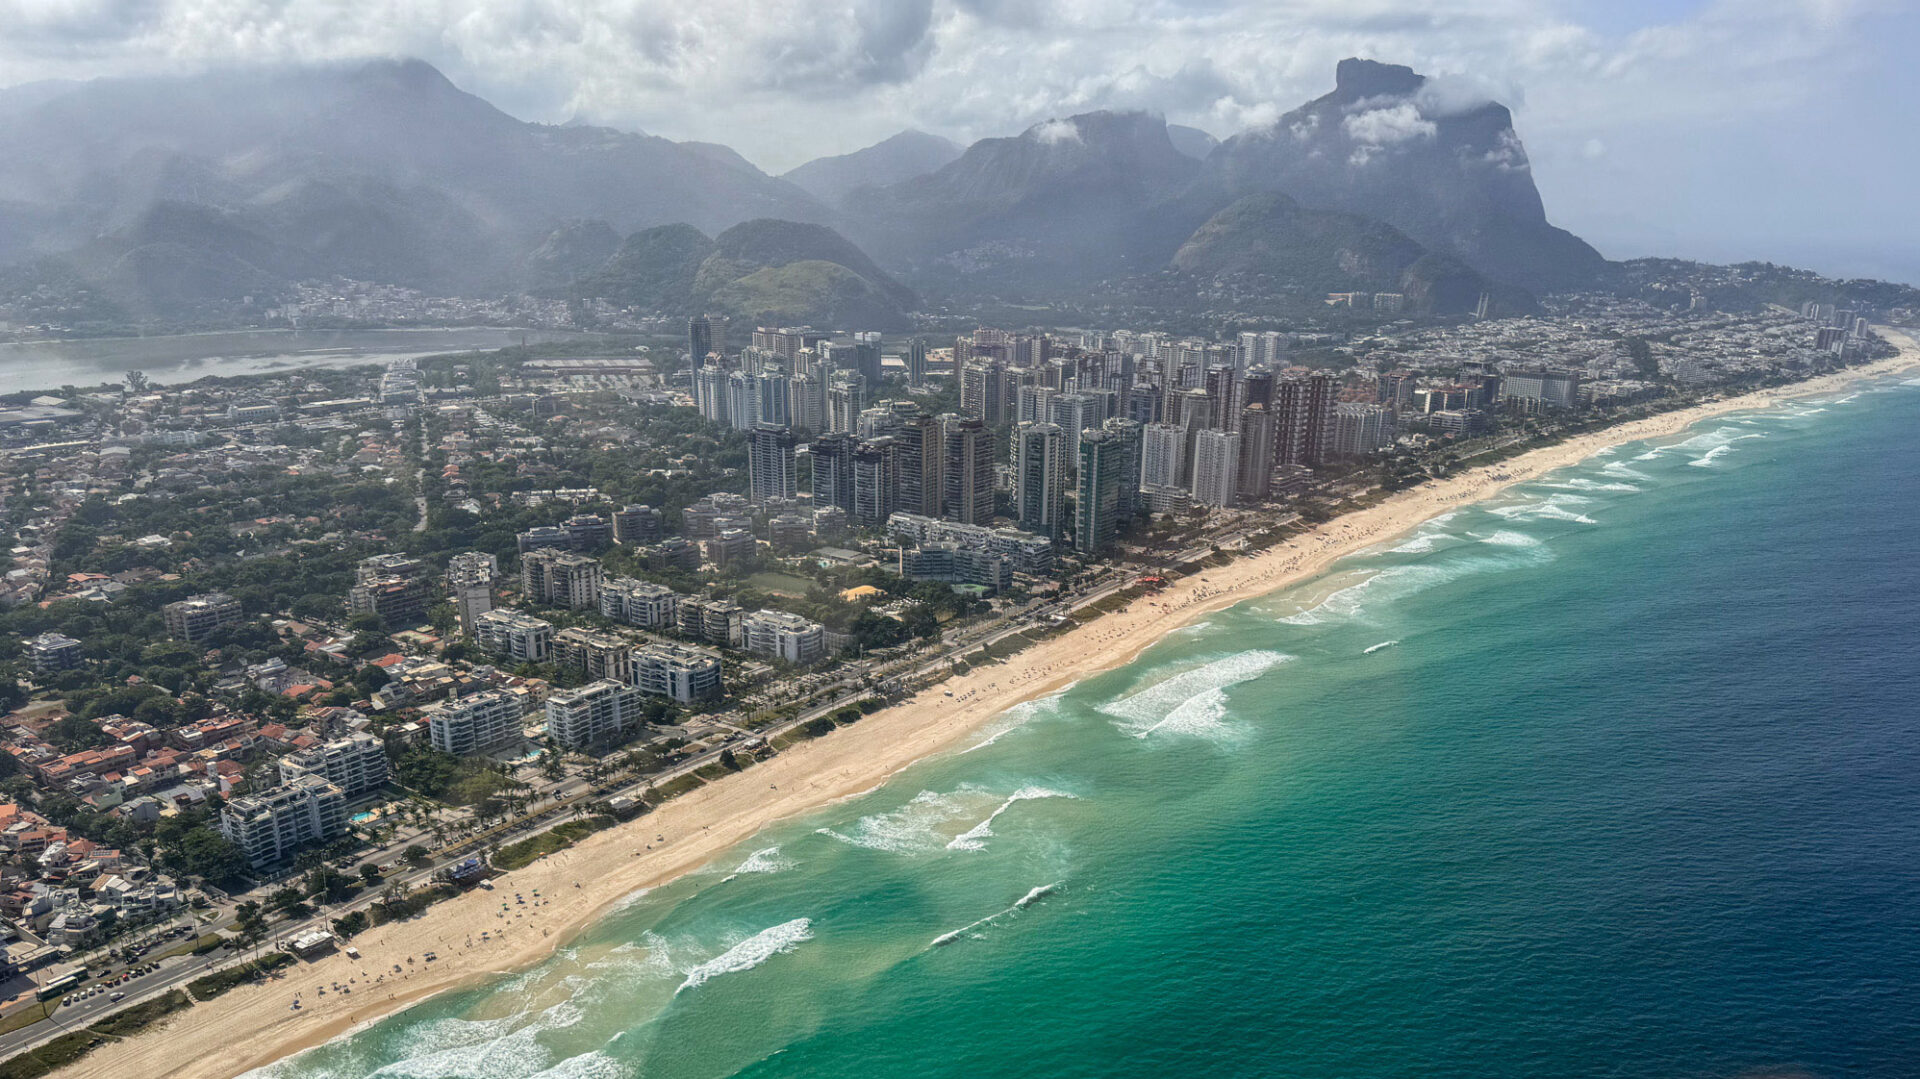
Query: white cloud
{"type": "Point", "coordinates": [786, 80]}
{"type": "Point", "coordinates": [1054, 132]}
{"type": "Point", "coordinates": [1389, 125]}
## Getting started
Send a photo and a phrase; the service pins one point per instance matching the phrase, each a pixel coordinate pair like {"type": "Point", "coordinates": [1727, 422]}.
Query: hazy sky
{"type": "Point", "coordinates": [1718, 129]}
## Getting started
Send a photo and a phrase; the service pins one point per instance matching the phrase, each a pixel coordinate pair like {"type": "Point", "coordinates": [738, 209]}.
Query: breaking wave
{"type": "Point", "coordinates": [914, 827]}
{"type": "Point", "coordinates": [975, 838]}
{"type": "Point", "coordinates": [1017, 717]}
{"type": "Point", "coordinates": [1552, 508]}
{"type": "Point", "coordinates": [1022, 903]}
{"type": "Point", "coordinates": [762, 861]}
{"type": "Point", "coordinates": [750, 952]}
{"type": "Point", "coordinates": [1192, 702]}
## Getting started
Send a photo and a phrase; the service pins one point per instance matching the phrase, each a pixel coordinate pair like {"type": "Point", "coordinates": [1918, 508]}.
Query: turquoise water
{"type": "Point", "coordinates": [1614, 776]}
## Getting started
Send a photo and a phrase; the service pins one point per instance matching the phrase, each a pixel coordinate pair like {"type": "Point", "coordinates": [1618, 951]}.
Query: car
{"type": "Point", "coordinates": [117, 997]}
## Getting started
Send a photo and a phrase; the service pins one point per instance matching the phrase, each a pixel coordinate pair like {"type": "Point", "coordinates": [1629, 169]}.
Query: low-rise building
{"type": "Point", "coordinates": [514, 634]}
{"type": "Point", "coordinates": [602, 713]}
{"type": "Point", "coordinates": [477, 724]}
{"type": "Point", "coordinates": [356, 764]}
{"type": "Point", "coordinates": [676, 671]}
{"type": "Point", "coordinates": [52, 652]}
{"type": "Point", "coordinates": [273, 826]}
{"type": "Point", "coordinates": [561, 578]}
{"type": "Point", "coordinates": [598, 655]}
{"type": "Point", "coordinates": [784, 635]}
{"type": "Point", "coordinates": [954, 564]}
{"type": "Point", "coordinates": [640, 603]}
{"type": "Point", "coordinates": [196, 618]}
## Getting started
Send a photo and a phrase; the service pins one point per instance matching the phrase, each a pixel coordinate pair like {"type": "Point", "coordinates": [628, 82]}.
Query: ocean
{"type": "Point", "coordinates": [1613, 776]}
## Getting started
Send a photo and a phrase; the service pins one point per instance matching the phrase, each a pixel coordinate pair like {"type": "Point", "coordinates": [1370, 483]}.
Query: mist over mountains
{"type": "Point", "coordinates": [158, 194]}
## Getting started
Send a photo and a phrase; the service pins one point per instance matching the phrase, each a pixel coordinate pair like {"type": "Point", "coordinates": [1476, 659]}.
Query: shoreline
{"type": "Point", "coordinates": [253, 1026]}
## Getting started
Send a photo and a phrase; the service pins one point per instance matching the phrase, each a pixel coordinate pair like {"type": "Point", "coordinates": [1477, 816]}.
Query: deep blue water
{"type": "Point", "coordinates": [1618, 775]}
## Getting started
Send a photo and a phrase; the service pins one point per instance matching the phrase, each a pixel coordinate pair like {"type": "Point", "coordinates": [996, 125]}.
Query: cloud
{"type": "Point", "coordinates": [1054, 132]}
{"type": "Point", "coordinates": [787, 80]}
{"type": "Point", "coordinates": [1389, 125]}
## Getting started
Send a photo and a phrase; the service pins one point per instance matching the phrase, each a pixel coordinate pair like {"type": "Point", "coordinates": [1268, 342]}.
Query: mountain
{"type": "Point", "coordinates": [902, 157]}
{"type": "Point", "coordinates": [1388, 143]}
{"type": "Point", "coordinates": [761, 271]}
{"type": "Point", "coordinates": [1052, 205]}
{"type": "Point", "coordinates": [384, 170]}
{"type": "Point", "coordinates": [1191, 141]}
{"type": "Point", "coordinates": [1270, 241]}
{"type": "Point", "coordinates": [653, 268]}
{"type": "Point", "coordinates": [573, 249]}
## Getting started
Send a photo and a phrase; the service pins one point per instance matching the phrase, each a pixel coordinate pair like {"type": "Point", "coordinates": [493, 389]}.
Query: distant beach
{"type": "Point", "coordinates": [256, 1026]}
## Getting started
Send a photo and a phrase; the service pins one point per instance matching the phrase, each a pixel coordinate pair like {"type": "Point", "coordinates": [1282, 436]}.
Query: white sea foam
{"type": "Point", "coordinates": [1022, 903]}
{"type": "Point", "coordinates": [914, 827]}
{"type": "Point", "coordinates": [975, 838]}
{"type": "Point", "coordinates": [504, 1048]}
{"type": "Point", "coordinates": [767, 860]}
{"type": "Point", "coordinates": [1506, 538]}
{"type": "Point", "coordinates": [750, 952]}
{"type": "Point", "coordinates": [1019, 716]}
{"type": "Point", "coordinates": [1420, 543]}
{"type": "Point", "coordinates": [1192, 702]}
{"type": "Point", "coordinates": [1622, 469]}
{"type": "Point", "coordinates": [1707, 459]}
{"type": "Point", "coordinates": [1551, 508]}
{"type": "Point", "coordinates": [1386, 585]}
{"type": "Point", "coordinates": [630, 900]}
{"type": "Point", "coordinates": [1581, 484]}
{"type": "Point", "coordinates": [1372, 648]}
{"type": "Point", "coordinates": [593, 1065]}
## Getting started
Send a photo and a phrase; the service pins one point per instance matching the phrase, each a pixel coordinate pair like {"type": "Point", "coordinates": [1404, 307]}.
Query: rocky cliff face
{"type": "Point", "coordinates": [1389, 144]}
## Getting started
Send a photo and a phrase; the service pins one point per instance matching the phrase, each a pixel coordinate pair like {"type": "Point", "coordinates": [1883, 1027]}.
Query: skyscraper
{"type": "Point", "coordinates": [846, 396]}
{"type": "Point", "coordinates": [922, 456]}
{"type": "Point", "coordinates": [809, 399]}
{"type": "Point", "coordinates": [831, 456]}
{"type": "Point", "coordinates": [984, 392]}
{"type": "Point", "coordinates": [1073, 413]}
{"type": "Point", "coordinates": [1216, 467]}
{"type": "Point", "coordinates": [917, 362]}
{"type": "Point", "coordinates": [711, 394]}
{"type": "Point", "coordinates": [1039, 475]}
{"type": "Point", "coordinates": [1163, 453]}
{"type": "Point", "coordinates": [773, 397]}
{"type": "Point", "coordinates": [967, 471]}
{"type": "Point", "coordinates": [1126, 434]}
{"type": "Point", "coordinates": [770, 462]}
{"type": "Point", "coordinates": [700, 341]}
{"type": "Point", "coordinates": [1303, 412]}
{"type": "Point", "coordinates": [1097, 490]}
{"type": "Point", "coordinates": [876, 481]}
{"type": "Point", "coordinates": [1256, 452]}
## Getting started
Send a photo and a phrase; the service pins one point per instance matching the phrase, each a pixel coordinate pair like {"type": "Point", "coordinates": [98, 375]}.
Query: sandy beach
{"type": "Point", "coordinates": [254, 1026]}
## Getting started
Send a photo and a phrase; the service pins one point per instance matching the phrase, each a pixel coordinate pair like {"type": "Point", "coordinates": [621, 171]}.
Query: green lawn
{"type": "Point", "coordinates": [781, 584]}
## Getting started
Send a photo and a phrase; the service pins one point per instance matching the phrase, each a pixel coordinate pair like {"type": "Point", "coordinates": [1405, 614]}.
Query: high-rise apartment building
{"type": "Point", "coordinates": [1039, 478]}
{"type": "Point", "coordinates": [1216, 468]}
{"type": "Point", "coordinates": [966, 474]}
{"type": "Point", "coordinates": [770, 463]}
